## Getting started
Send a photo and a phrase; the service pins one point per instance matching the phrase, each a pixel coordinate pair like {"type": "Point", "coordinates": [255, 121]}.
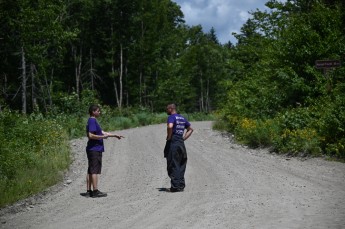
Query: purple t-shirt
{"type": "Point", "coordinates": [180, 123]}
{"type": "Point", "coordinates": [92, 144]}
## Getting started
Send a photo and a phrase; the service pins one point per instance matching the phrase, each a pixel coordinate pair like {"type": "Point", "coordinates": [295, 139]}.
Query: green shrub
{"type": "Point", "coordinates": [220, 125]}
{"type": "Point", "coordinates": [124, 123]}
{"type": "Point", "coordinates": [160, 118]}
{"type": "Point", "coordinates": [200, 116]}
{"type": "Point", "coordinates": [296, 118]}
{"type": "Point", "coordinates": [33, 151]}
{"type": "Point", "coordinates": [144, 118]}
{"type": "Point", "coordinates": [314, 130]}
{"type": "Point", "coordinates": [336, 149]}
{"type": "Point", "coordinates": [256, 133]}
{"type": "Point", "coordinates": [304, 141]}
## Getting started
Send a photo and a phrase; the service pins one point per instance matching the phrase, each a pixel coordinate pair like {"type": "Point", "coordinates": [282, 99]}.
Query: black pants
{"type": "Point", "coordinates": [176, 155]}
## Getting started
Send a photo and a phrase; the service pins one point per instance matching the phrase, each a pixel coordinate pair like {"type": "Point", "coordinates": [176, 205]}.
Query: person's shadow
{"type": "Point", "coordinates": [163, 189]}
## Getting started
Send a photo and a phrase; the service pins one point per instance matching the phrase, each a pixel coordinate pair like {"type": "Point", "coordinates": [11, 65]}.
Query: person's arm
{"type": "Point", "coordinates": [92, 130]}
{"type": "Point", "coordinates": [114, 135]}
{"type": "Point", "coordinates": [93, 136]}
{"type": "Point", "coordinates": [188, 133]}
{"type": "Point", "coordinates": [169, 131]}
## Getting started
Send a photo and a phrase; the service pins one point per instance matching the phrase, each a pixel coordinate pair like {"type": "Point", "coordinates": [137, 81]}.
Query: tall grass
{"type": "Point", "coordinates": [34, 151]}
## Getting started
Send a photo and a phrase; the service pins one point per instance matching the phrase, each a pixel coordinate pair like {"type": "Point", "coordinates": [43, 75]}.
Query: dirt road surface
{"type": "Point", "coordinates": [227, 186]}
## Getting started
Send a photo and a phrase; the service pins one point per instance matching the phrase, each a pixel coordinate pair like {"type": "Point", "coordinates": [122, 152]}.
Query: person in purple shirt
{"type": "Point", "coordinates": [175, 150]}
{"type": "Point", "coordinates": [94, 151]}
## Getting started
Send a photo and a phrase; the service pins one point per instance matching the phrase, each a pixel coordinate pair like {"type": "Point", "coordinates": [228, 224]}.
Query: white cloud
{"type": "Point", "coordinates": [226, 16]}
{"type": "Point", "coordinates": [244, 15]}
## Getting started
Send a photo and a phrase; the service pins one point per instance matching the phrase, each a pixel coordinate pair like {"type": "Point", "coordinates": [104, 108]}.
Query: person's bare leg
{"type": "Point", "coordinates": [94, 181]}
{"type": "Point", "coordinates": [96, 192]}
{"type": "Point", "coordinates": [88, 182]}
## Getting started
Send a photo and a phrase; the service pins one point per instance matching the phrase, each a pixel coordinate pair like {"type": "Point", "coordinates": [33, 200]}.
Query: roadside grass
{"type": "Point", "coordinates": [34, 154]}
{"type": "Point", "coordinates": [35, 150]}
{"type": "Point", "coordinates": [27, 182]}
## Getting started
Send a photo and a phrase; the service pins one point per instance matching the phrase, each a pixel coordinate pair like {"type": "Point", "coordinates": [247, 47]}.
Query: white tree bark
{"type": "Point", "coordinates": [24, 110]}
{"type": "Point", "coordinates": [121, 76]}
{"type": "Point", "coordinates": [77, 69]}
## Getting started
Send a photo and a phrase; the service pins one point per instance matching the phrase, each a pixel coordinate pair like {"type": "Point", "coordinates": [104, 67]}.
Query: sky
{"type": "Point", "coordinates": [225, 16]}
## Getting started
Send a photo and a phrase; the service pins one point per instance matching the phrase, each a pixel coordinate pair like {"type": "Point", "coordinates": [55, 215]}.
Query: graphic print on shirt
{"type": "Point", "coordinates": [180, 123]}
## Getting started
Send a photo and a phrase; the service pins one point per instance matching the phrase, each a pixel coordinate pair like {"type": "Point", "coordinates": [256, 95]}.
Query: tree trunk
{"type": "Point", "coordinates": [114, 75]}
{"type": "Point", "coordinates": [121, 75]}
{"type": "Point", "coordinates": [140, 86]}
{"type": "Point", "coordinates": [77, 68]}
{"type": "Point", "coordinates": [141, 64]}
{"type": "Point", "coordinates": [118, 95]}
{"type": "Point", "coordinates": [33, 95]}
{"type": "Point", "coordinates": [91, 72]}
{"type": "Point", "coordinates": [49, 86]}
{"type": "Point", "coordinates": [23, 81]}
{"type": "Point", "coordinates": [208, 96]}
{"type": "Point", "coordinates": [4, 89]}
{"type": "Point", "coordinates": [201, 94]}
{"type": "Point", "coordinates": [126, 91]}
{"type": "Point", "coordinates": [114, 80]}
{"type": "Point", "coordinates": [43, 97]}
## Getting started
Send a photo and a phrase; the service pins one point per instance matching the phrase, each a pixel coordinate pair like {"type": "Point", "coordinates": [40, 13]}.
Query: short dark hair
{"type": "Point", "coordinates": [93, 108]}
{"type": "Point", "coordinates": [172, 105]}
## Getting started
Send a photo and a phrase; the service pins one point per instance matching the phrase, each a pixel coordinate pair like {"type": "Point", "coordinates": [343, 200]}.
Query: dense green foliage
{"type": "Point", "coordinates": [276, 96]}
{"type": "Point", "coordinates": [131, 53]}
{"type": "Point", "coordinates": [34, 152]}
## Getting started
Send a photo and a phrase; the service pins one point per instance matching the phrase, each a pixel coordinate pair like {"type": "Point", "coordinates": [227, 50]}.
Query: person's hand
{"type": "Point", "coordinates": [105, 135]}
{"type": "Point", "coordinates": [119, 136]}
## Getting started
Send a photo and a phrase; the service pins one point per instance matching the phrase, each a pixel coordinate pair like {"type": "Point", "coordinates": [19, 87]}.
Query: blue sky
{"type": "Point", "coordinates": [226, 16]}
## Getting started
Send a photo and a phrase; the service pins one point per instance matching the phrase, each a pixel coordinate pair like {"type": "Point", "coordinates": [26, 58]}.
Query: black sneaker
{"type": "Point", "coordinates": [174, 189]}
{"type": "Point", "coordinates": [97, 193]}
{"type": "Point", "coordinates": [88, 193]}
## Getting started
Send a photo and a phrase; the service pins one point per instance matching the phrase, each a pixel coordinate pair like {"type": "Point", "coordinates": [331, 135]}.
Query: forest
{"type": "Point", "coordinates": [134, 57]}
{"type": "Point", "coordinates": [129, 53]}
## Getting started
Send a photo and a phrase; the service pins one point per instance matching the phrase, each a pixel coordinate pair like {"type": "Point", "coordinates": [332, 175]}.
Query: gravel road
{"type": "Point", "coordinates": [227, 186]}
